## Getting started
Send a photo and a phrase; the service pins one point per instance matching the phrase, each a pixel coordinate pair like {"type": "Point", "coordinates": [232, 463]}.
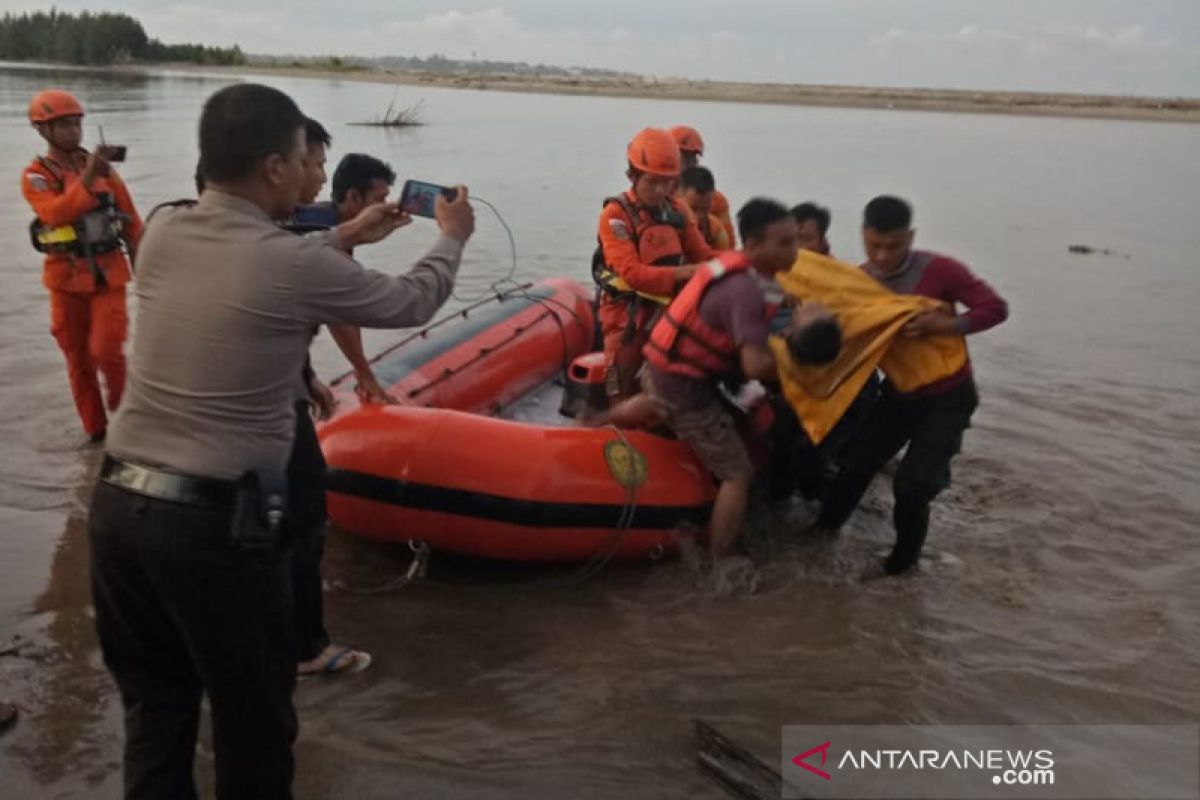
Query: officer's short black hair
{"type": "Point", "coordinates": [315, 133]}
{"type": "Point", "coordinates": [818, 214]}
{"type": "Point", "coordinates": [243, 124]}
{"type": "Point", "coordinates": [358, 171]}
{"type": "Point", "coordinates": [887, 214]}
{"type": "Point", "coordinates": [699, 179]}
{"type": "Point", "coordinates": [758, 213]}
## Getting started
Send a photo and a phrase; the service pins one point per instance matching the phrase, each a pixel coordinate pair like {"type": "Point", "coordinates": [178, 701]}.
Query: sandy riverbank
{"type": "Point", "coordinates": [944, 100]}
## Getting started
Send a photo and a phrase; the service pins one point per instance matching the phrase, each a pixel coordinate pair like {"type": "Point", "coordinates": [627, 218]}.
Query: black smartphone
{"type": "Point", "coordinates": [116, 152]}
{"type": "Point", "coordinates": [419, 198]}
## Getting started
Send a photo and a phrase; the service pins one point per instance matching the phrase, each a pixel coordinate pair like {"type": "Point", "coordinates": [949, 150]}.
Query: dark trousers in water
{"type": "Point", "coordinates": [932, 427]}
{"type": "Point", "coordinates": [796, 464]}
{"type": "Point", "coordinates": [306, 529]}
{"type": "Point", "coordinates": [180, 613]}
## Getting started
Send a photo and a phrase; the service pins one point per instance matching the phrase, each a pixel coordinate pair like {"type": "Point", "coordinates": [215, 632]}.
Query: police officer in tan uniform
{"type": "Point", "coordinates": [189, 570]}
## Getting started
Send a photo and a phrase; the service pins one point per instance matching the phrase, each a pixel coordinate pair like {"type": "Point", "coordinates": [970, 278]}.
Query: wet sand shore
{"type": "Point", "coordinates": [1166, 109]}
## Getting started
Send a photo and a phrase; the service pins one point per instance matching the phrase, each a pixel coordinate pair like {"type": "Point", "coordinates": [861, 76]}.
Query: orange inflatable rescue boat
{"type": "Point", "coordinates": [447, 468]}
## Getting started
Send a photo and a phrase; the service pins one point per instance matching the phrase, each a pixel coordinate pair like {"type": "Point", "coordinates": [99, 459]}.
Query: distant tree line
{"type": "Point", "coordinates": [438, 63]}
{"type": "Point", "coordinates": [97, 39]}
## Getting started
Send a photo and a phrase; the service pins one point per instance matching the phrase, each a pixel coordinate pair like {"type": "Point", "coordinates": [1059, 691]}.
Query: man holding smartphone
{"type": "Point", "coordinates": [187, 527]}
{"type": "Point", "coordinates": [86, 224]}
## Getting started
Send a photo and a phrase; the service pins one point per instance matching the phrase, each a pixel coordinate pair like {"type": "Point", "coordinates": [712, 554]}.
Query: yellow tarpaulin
{"type": "Point", "coordinates": [871, 317]}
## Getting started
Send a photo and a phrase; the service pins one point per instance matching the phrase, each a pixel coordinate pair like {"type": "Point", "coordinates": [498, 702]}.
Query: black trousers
{"type": "Point", "coordinates": [306, 529]}
{"type": "Point", "coordinates": [932, 427]}
{"type": "Point", "coordinates": [795, 463]}
{"type": "Point", "coordinates": [180, 614]}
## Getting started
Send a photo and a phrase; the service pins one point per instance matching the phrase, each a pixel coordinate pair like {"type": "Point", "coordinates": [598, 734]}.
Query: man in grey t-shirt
{"type": "Point", "coordinates": [191, 587]}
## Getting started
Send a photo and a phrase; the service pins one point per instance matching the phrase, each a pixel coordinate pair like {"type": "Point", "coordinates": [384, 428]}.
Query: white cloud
{"type": "Point", "coordinates": [981, 40]}
{"type": "Point", "coordinates": [1050, 57]}
{"type": "Point", "coordinates": [496, 34]}
{"type": "Point", "coordinates": [488, 34]}
{"type": "Point", "coordinates": [220, 27]}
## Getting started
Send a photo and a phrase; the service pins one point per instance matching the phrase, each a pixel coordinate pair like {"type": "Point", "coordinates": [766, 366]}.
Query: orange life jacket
{"type": "Point", "coordinates": [82, 231]}
{"type": "Point", "coordinates": [682, 343]}
{"type": "Point", "coordinates": [657, 234]}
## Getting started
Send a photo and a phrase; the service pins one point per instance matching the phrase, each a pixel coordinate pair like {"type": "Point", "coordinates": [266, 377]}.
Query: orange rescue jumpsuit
{"type": "Point", "coordinates": [720, 210]}
{"type": "Point", "coordinates": [632, 255]}
{"type": "Point", "coordinates": [714, 233]}
{"type": "Point", "coordinates": [89, 321]}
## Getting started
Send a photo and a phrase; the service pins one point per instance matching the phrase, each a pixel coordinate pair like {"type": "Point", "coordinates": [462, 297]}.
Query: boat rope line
{"type": "Point", "coordinates": [546, 302]}
{"type": "Point", "coordinates": [513, 510]}
{"type": "Point", "coordinates": [605, 554]}
{"type": "Point", "coordinates": [439, 347]}
{"type": "Point", "coordinates": [512, 244]}
{"type": "Point", "coordinates": [415, 572]}
{"type": "Point", "coordinates": [483, 352]}
{"type": "Point", "coordinates": [392, 368]}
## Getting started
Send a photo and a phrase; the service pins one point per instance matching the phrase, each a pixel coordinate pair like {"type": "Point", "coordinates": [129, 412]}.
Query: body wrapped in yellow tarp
{"type": "Point", "coordinates": [872, 318]}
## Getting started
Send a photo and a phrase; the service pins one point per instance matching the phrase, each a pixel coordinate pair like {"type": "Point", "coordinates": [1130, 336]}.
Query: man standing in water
{"type": "Point", "coordinates": [930, 420]}
{"type": "Point", "coordinates": [85, 217]}
{"type": "Point", "coordinates": [359, 182]}
{"type": "Point", "coordinates": [716, 326]}
{"type": "Point", "coordinates": [190, 574]}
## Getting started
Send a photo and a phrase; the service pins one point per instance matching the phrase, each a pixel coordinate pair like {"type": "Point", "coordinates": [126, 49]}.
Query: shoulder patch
{"type": "Point", "coordinates": [619, 229]}
{"type": "Point", "coordinates": [37, 181]}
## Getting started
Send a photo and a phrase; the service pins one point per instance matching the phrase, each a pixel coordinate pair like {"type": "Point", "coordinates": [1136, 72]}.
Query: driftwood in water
{"type": "Point", "coordinates": [1087, 249]}
{"type": "Point", "coordinates": [736, 767]}
{"type": "Point", "coordinates": [394, 117]}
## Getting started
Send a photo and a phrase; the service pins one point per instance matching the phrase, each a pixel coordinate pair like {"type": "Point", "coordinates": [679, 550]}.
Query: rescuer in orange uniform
{"type": "Point", "coordinates": [691, 148]}
{"type": "Point", "coordinates": [85, 225]}
{"type": "Point", "coordinates": [649, 248]}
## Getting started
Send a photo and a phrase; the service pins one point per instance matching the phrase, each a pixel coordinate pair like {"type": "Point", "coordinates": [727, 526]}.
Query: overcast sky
{"type": "Point", "coordinates": [1117, 46]}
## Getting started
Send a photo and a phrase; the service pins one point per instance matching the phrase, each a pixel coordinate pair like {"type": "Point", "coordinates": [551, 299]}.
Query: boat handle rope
{"type": "Point", "coordinates": [484, 352]}
{"type": "Point", "coordinates": [423, 333]}
{"type": "Point", "coordinates": [605, 554]}
{"type": "Point", "coordinates": [415, 572]}
{"type": "Point", "coordinates": [548, 313]}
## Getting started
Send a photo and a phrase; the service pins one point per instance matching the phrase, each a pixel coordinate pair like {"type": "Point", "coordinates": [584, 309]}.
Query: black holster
{"type": "Point", "coordinates": [259, 509]}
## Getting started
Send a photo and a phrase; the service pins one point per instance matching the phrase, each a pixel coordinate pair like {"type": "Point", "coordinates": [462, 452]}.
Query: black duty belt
{"type": "Point", "coordinates": [171, 486]}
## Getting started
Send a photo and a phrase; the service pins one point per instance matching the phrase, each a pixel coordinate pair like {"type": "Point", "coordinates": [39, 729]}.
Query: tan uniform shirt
{"type": "Point", "coordinates": [227, 302]}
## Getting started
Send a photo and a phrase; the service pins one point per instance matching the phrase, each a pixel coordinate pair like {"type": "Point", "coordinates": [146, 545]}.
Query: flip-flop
{"type": "Point", "coordinates": [344, 661]}
{"type": "Point", "coordinates": [8, 715]}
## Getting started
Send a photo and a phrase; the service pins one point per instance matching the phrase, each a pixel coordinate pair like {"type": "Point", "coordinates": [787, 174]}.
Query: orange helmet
{"type": "Point", "coordinates": [53, 104]}
{"type": "Point", "coordinates": [688, 139]}
{"type": "Point", "coordinates": [654, 151]}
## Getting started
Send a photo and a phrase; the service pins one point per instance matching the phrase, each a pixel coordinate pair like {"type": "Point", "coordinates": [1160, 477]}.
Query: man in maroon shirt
{"type": "Point", "coordinates": [931, 420]}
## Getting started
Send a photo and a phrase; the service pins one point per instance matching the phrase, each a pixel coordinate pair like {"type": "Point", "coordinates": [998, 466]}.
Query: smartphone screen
{"type": "Point", "coordinates": [419, 198]}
